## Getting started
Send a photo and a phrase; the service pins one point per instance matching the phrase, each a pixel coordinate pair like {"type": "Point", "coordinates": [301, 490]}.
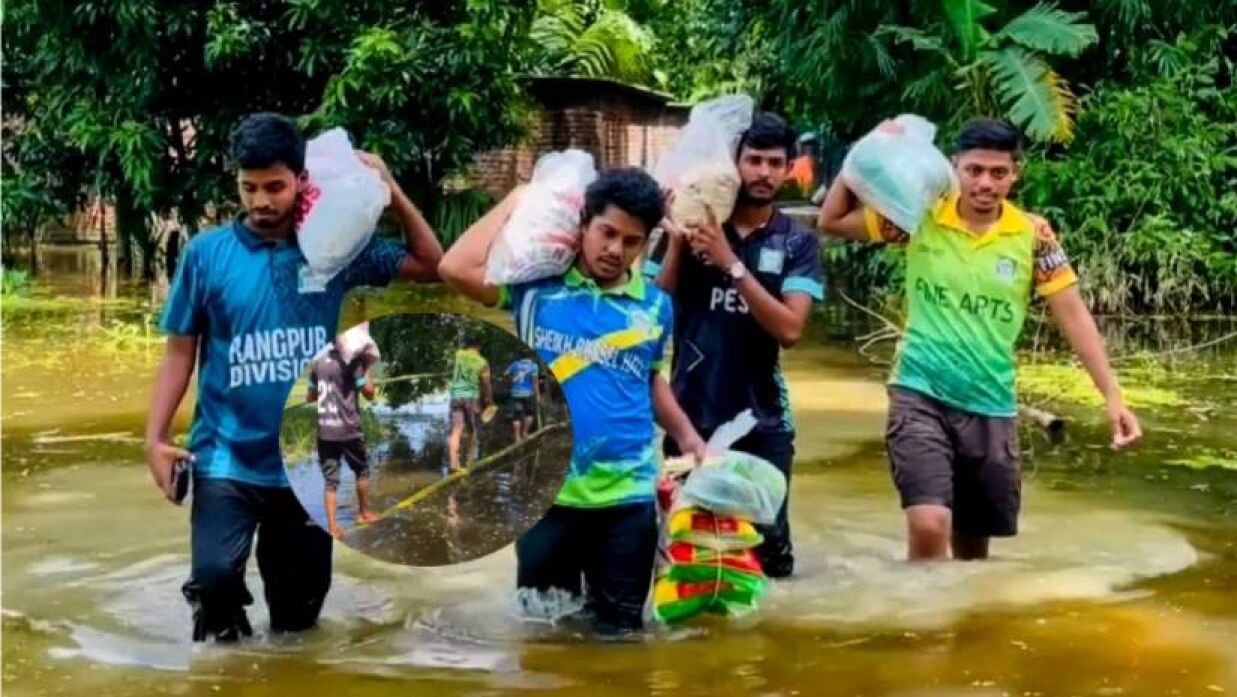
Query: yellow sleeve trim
{"type": "Point", "coordinates": [872, 221]}
{"type": "Point", "coordinates": [1064, 279]}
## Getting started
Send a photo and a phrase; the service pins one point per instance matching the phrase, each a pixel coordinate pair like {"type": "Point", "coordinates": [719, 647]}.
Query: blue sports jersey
{"type": "Point", "coordinates": [523, 374]}
{"type": "Point", "coordinates": [258, 327]}
{"type": "Point", "coordinates": [724, 361]}
{"type": "Point", "coordinates": [603, 346]}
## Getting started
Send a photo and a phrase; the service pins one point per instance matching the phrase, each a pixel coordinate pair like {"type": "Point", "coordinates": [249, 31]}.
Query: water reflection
{"type": "Point", "coordinates": [402, 497]}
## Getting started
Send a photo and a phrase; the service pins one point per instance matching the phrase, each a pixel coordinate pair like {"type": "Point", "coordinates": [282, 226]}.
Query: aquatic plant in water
{"type": "Point", "coordinates": [1070, 383]}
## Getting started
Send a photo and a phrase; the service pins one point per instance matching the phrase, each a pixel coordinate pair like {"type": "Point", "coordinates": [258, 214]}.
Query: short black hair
{"type": "Point", "coordinates": [769, 131]}
{"type": "Point", "coordinates": [989, 134]}
{"type": "Point", "coordinates": [631, 190]}
{"type": "Point", "coordinates": [267, 139]}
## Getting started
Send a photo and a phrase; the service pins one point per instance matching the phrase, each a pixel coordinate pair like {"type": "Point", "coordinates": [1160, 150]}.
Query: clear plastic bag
{"type": "Point", "coordinates": [339, 207]}
{"type": "Point", "coordinates": [899, 175]}
{"type": "Point", "coordinates": [699, 168]}
{"type": "Point", "coordinates": [735, 483]}
{"type": "Point", "coordinates": [542, 236]}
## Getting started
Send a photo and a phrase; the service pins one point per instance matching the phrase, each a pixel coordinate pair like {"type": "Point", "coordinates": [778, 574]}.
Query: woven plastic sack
{"type": "Point", "coordinates": [683, 591]}
{"type": "Point", "coordinates": [339, 209]}
{"type": "Point", "coordinates": [699, 168]}
{"type": "Point", "coordinates": [542, 236]}
{"type": "Point", "coordinates": [710, 531]}
{"type": "Point", "coordinates": [899, 175]}
{"type": "Point", "coordinates": [357, 342]}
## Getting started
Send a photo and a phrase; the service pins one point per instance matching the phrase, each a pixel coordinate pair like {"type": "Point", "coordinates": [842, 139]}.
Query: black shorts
{"type": "Point", "coordinates": [523, 408]}
{"type": "Point", "coordinates": [330, 452]}
{"type": "Point", "coordinates": [948, 457]}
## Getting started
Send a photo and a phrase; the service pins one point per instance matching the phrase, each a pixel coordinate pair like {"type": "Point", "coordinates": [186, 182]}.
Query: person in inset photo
{"type": "Point", "coordinates": [335, 381]}
{"type": "Point", "coordinates": [525, 395]}
{"type": "Point", "coordinates": [470, 374]}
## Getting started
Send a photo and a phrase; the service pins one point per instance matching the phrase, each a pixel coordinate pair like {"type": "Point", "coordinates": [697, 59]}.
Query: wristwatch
{"type": "Point", "coordinates": [737, 271]}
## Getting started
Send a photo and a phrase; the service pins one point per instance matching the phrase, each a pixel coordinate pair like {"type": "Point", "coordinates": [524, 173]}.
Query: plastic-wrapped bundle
{"type": "Point", "coordinates": [699, 168]}
{"type": "Point", "coordinates": [542, 236]}
{"type": "Point", "coordinates": [711, 531]}
{"type": "Point", "coordinates": [708, 566]}
{"type": "Point", "coordinates": [708, 562]}
{"type": "Point", "coordinates": [339, 208]}
{"type": "Point", "coordinates": [736, 483]}
{"type": "Point", "coordinates": [898, 172]}
{"type": "Point", "coordinates": [699, 580]}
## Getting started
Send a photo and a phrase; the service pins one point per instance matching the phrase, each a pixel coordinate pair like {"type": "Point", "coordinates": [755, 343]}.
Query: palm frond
{"type": "Point", "coordinates": [929, 91]}
{"type": "Point", "coordinates": [630, 43]}
{"type": "Point", "coordinates": [1128, 13]}
{"type": "Point", "coordinates": [612, 44]}
{"type": "Point", "coordinates": [1035, 97]}
{"type": "Point", "coordinates": [1169, 59]}
{"type": "Point", "coordinates": [555, 33]}
{"type": "Point", "coordinates": [880, 56]}
{"type": "Point", "coordinates": [919, 39]}
{"type": "Point", "coordinates": [965, 16]}
{"type": "Point", "coordinates": [1047, 29]}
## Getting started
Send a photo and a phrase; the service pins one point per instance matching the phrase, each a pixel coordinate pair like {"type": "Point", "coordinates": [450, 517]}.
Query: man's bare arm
{"type": "Point", "coordinates": [1076, 323]}
{"type": "Point", "coordinates": [171, 382]}
{"type": "Point", "coordinates": [424, 250]}
{"type": "Point", "coordinates": [463, 266]}
{"type": "Point", "coordinates": [841, 215]}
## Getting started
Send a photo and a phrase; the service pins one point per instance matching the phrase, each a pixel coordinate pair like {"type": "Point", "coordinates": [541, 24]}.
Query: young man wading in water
{"type": "Point", "coordinates": [743, 292]}
{"type": "Point", "coordinates": [525, 395]}
{"type": "Point", "coordinates": [239, 309]}
{"type": "Point", "coordinates": [470, 373]}
{"type": "Point", "coordinates": [336, 385]}
{"type": "Point", "coordinates": [971, 266]}
{"type": "Point", "coordinates": [602, 331]}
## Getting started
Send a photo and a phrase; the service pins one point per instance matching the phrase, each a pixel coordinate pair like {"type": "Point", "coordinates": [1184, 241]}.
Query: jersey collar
{"type": "Point", "coordinates": [633, 287]}
{"type": "Point", "coordinates": [1010, 222]}
{"type": "Point", "coordinates": [252, 240]}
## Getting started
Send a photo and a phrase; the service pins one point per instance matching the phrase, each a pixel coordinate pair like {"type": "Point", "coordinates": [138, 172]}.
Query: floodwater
{"type": "Point", "coordinates": [461, 518]}
{"type": "Point", "coordinates": [1122, 582]}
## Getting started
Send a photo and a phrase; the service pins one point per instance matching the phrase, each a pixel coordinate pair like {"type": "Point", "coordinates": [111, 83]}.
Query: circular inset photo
{"type": "Point", "coordinates": [426, 439]}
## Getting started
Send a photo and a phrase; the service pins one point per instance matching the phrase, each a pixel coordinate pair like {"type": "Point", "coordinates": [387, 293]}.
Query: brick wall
{"type": "Point", "coordinates": [616, 131]}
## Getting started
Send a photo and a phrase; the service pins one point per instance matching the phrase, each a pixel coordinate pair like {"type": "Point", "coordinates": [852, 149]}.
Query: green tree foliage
{"type": "Point", "coordinates": [1147, 195]}
{"type": "Point", "coordinates": [146, 91]}
{"type": "Point", "coordinates": [848, 60]}
{"type": "Point", "coordinates": [709, 47]}
{"type": "Point", "coordinates": [1001, 72]}
{"type": "Point", "coordinates": [591, 38]}
{"type": "Point", "coordinates": [419, 344]}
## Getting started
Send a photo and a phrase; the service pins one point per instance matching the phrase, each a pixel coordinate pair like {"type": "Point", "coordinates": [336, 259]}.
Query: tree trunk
{"type": "Point", "coordinates": [171, 254]}
{"type": "Point", "coordinates": [124, 239]}
{"type": "Point", "coordinates": [34, 250]}
{"type": "Point", "coordinates": [104, 254]}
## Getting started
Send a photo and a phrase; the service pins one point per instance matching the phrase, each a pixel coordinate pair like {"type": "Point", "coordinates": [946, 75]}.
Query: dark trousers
{"type": "Point", "coordinates": [776, 553]}
{"type": "Point", "coordinates": [605, 554]}
{"type": "Point", "coordinates": [294, 558]}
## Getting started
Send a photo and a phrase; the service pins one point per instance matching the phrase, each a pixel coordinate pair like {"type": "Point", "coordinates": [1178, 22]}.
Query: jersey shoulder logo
{"type": "Point", "coordinates": [771, 260]}
{"type": "Point", "coordinates": [305, 283]}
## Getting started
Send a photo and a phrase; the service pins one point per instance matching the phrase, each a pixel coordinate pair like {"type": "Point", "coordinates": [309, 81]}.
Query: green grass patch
{"type": "Point", "coordinates": [1069, 383]}
{"type": "Point", "coordinates": [1207, 460]}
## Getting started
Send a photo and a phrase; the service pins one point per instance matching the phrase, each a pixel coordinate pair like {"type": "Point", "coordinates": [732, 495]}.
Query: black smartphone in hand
{"type": "Point", "coordinates": [181, 472]}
